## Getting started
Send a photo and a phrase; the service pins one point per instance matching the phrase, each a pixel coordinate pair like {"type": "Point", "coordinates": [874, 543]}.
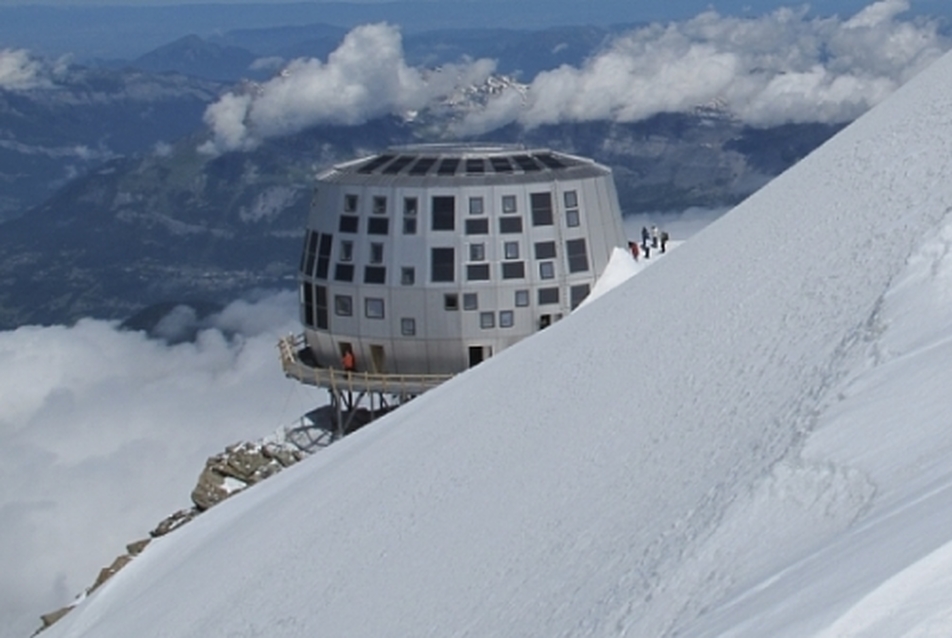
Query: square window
{"type": "Point", "coordinates": [511, 249]}
{"type": "Point", "coordinates": [373, 307]}
{"type": "Point", "coordinates": [477, 226]}
{"type": "Point", "coordinates": [477, 252]}
{"type": "Point", "coordinates": [571, 218]}
{"type": "Point", "coordinates": [407, 276]}
{"type": "Point", "coordinates": [343, 272]}
{"type": "Point", "coordinates": [571, 199]}
{"type": "Point", "coordinates": [348, 224]}
{"type": "Point", "coordinates": [380, 205]}
{"type": "Point", "coordinates": [375, 275]}
{"type": "Point", "coordinates": [477, 272]}
{"type": "Point", "coordinates": [347, 251]}
{"type": "Point", "coordinates": [510, 225]}
{"type": "Point", "coordinates": [350, 203]}
{"type": "Point", "coordinates": [508, 203]}
{"type": "Point", "coordinates": [546, 270]}
{"type": "Point", "coordinates": [343, 305]}
{"type": "Point", "coordinates": [487, 320]}
{"type": "Point", "coordinates": [470, 301]}
{"type": "Point", "coordinates": [410, 206]}
{"type": "Point", "coordinates": [514, 270]}
{"type": "Point", "coordinates": [376, 253]}
{"type": "Point", "coordinates": [522, 298]}
{"type": "Point", "coordinates": [451, 301]}
{"type": "Point", "coordinates": [545, 250]}
{"type": "Point", "coordinates": [409, 225]}
{"type": "Point", "coordinates": [378, 226]}
{"type": "Point", "coordinates": [408, 326]}
{"type": "Point", "coordinates": [548, 296]}
{"type": "Point", "coordinates": [506, 318]}
{"type": "Point", "coordinates": [475, 205]}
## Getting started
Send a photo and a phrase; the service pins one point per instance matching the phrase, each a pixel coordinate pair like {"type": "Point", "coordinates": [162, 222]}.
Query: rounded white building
{"type": "Point", "coordinates": [428, 259]}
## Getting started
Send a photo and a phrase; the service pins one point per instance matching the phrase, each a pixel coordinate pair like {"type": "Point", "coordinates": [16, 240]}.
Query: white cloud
{"type": "Point", "coordinates": [778, 68]}
{"type": "Point", "coordinates": [20, 71]}
{"type": "Point", "coordinates": [366, 77]}
{"type": "Point", "coordinates": [104, 432]}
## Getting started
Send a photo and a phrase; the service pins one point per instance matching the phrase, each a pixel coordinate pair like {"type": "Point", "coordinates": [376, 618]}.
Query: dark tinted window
{"type": "Point", "coordinates": [344, 272]}
{"type": "Point", "coordinates": [545, 250]}
{"type": "Point", "coordinates": [443, 264]}
{"type": "Point", "coordinates": [477, 226]}
{"type": "Point", "coordinates": [477, 272]}
{"type": "Point", "coordinates": [378, 225]}
{"type": "Point", "coordinates": [375, 274]}
{"type": "Point", "coordinates": [348, 224]}
{"type": "Point", "coordinates": [444, 212]}
{"type": "Point", "coordinates": [548, 295]}
{"type": "Point", "coordinates": [577, 255]}
{"type": "Point", "coordinates": [514, 270]}
{"type": "Point", "coordinates": [541, 204]}
{"type": "Point", "coordinates": [510, 224]}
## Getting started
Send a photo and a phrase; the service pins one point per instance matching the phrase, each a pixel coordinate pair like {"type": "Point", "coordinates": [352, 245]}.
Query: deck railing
{"type": "Point", "coordinates": [337, 380]}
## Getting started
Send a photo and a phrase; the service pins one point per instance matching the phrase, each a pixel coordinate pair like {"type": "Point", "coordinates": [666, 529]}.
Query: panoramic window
{"type": "Point", "coordinates": [373, 308]}
{"type": "Point", "coordinates": [442, 264]}
{"type": "Point", "coordinates": [541, 205]}
{"type": "Point", "coordinates": [443, 210]}
{"type": "Point", "coordinates": [577, 255]}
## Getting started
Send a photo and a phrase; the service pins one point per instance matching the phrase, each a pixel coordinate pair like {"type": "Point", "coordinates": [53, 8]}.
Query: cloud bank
{"type": "Point", "coordinates": [103, 433]}
{"type": "Point", "coordinates": [366, 77]}
{"type": "Point", "coordinates": [20, 71]}
{"type": "Point", "coordinates": [777, 68]}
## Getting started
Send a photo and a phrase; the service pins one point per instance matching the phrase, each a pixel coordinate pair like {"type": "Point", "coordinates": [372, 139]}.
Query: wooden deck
{"type": "Point", "coordinates": [338, 381]}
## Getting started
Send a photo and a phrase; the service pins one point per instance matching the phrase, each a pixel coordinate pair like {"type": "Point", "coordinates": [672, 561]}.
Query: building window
{"type": "Point", "coordinates": [545, 250]}
{"type": "Point", "coordinates": [577, 255]}
{"type": "Point", "coordinates": [343, 305]}
{"type": "Point", "coordinates": [380, 205]}
{"type": "Point", "coordinates": [477, 272]}
{"type": "Point", "coordinates": [409, 215]}
{"type": "Point", "coordinates": [508, 203]}
{"type": "Point", "coordinates": [324, 256]}
{"type": "Point", "coordinates": [373, 308]}
{"type": "Point", "coordinates": [348, 224]}
{"type": "Point", "coordinates": [350, 203]}
{"type": "Point", "coordinates": [409, 225]}
{"type": "Point", "coordinates": [408, 326]}
{"type": "Point", "coordinates": [407, 276]}
{"type": "Point", "coordinates": [475, 205]}
{"type": "Point", "coordinates": [506, 318]}
{"type": "Point", "coordinates": [514, 270]}
{"type": "Point", "coordinates": [451, 301]}
{"type": "Point", "coordinates": [477, 226]}
{"type": "Point", "coordinates": [477, 252]}
{"type": "Point", "coordinates": [571, 218]}
{"type": "Point", "coordinates": [546, 270]}
{"type": "Point", "coordinates": [571, 199]}
{"type": "Point", "coordinates": [320, 307]}
{"type": "Point", "coordinates": [571, 208]}
{"type": "Point", "coordinates": [578, 294]}
{"type": "Point", "coordinates": [522, 298]}
{"type": "Point", "coordinates": [509, 225]}
{"type": "Point", "coordinates": [511, 249]}
{"type": "Point", "coordinates": [442, 264]}
{"type": "Point", "coordinates": [470, 301]}
{"type": "Point", "coordinates": [375, 274]}
{"type": "Point", "coordinates": [443, 210]}
{"type": "Point", "coordinates": [343, 272]}
{"type": "Point", "coordinates": [307, 293]}
{"type": "Point", "coordinates": [310, 252]}
{"type": "Point", "coordinates": [347, 250]}
{"type": "Point", "coordinates": [541, 205]}
{"type": "Point", "coordinates": [378, 226]}
{"type": "Point", "coordinates": [487, 320]}
{"type": "Point", "coordinates": [376, 253]}
{"type": "Point", "coordinates": [548, 296]}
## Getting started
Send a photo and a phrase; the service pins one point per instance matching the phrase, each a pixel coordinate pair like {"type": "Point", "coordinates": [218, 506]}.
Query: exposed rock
{"type": "Point", "coordinates": [173, 522]}
{"type": "Point", "coordinates": [108, 572]}
{"type": "Point", "coordinates": [134, 549]}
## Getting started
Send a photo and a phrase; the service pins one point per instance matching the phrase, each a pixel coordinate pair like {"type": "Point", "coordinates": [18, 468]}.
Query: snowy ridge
{"type": "Point", "coordinates": [622, 472]}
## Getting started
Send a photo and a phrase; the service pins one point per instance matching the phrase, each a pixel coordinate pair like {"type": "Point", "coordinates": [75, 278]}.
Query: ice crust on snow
{"type": "Point", "coordinates": [699, 452]}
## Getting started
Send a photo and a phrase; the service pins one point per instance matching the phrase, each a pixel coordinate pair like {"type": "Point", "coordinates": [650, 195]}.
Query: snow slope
{"type": "Point", "coordinates": [700, 451]}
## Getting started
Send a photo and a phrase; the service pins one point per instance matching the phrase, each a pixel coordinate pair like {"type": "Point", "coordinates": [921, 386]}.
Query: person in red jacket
{"type": "Point", "coordinates": [349, 361]}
